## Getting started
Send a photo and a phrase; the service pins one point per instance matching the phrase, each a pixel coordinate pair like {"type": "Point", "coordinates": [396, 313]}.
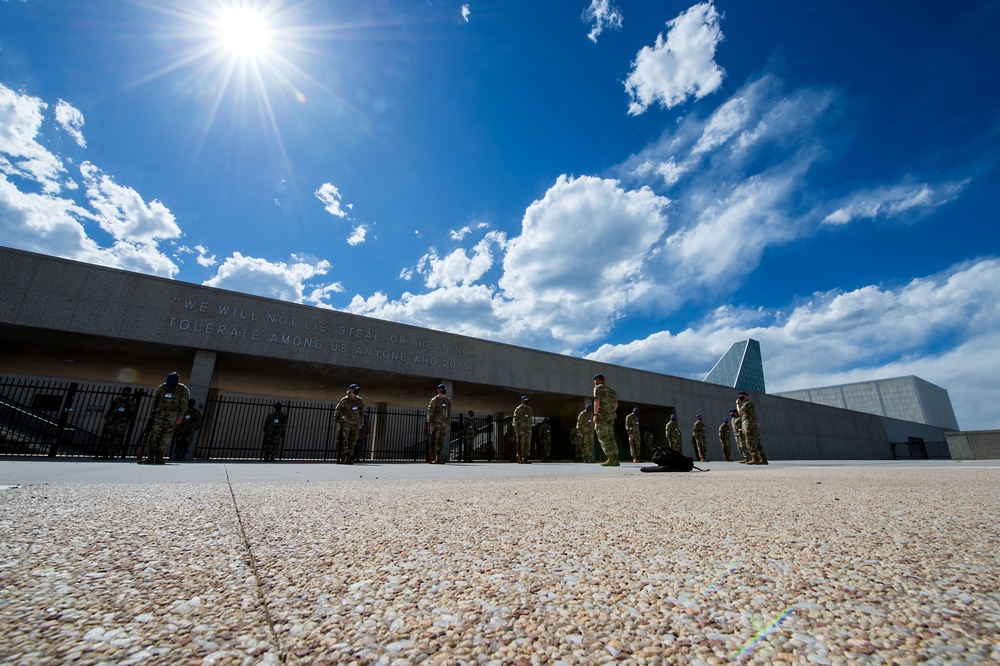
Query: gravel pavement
{"type": "Point", "coordinates": [840, 563]}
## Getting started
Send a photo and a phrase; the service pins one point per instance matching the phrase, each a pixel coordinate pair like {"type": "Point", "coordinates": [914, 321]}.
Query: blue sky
{"type": "Point", "coordinates": [637, 182]}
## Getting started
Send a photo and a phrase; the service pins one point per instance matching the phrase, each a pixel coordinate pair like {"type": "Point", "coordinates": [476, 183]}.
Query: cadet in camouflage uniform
{"type": "Point", "coordinates": [632, 428]}
{"type": "Point", "coordinates": [117, 419]}
{"type": "Point", "coordinates": [739, 435]}
{"type": "Point", "coordinates": [168, 406]}
{"type": "Point", "coordinates": [522, 430]}
{"type": "Point", "coordinates": [350, 415]}
{"type": "Point", "coordinates": [438, 424]}
{"type": "Point", "coordinates": [748, 412]}
{"type": "Point", "coordinates": [274, 432]}
{"type": "Point", "coordinates": [605, 413]}
{"type": "Point", "coordinates": [185, 432]}
{"type": "Point", "coordinates": [471, 429]}
{"type": "Point", "coordinates": [724, 440]}
{"type": "Point", "coordinates": [698, 439]}
{"type": "Point", "coordinates": [585, 426]}
{"type": "Point", "coordinates": [647, 444]}
{"type": "Point", "coordinates": [545, 439]}
{"type": "Point", "coordinates": [673, 433]}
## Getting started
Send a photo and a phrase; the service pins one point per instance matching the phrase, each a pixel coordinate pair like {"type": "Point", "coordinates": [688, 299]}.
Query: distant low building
{"type": "Point", "coordinates": [740, 367]}
{"type": "Point", "coordinates": [907, 398]}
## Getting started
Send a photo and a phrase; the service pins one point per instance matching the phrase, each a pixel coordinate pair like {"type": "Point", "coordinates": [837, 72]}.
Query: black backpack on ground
{"type": "Point", "coordinates": [668, 460]}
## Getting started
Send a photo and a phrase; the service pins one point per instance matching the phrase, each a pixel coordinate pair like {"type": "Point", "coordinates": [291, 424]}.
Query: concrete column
{"type": "Point", "coordinates": [199, 384]}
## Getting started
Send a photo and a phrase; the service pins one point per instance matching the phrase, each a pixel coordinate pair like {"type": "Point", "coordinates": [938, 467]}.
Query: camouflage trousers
{"type": "Point", "coordinates": [587, 437]}
{"type": "Point", "coordinates": [182, 442]}
{"type": "Point", "coordinates": [436, 442]}
{"type": "Point", "coordinates": [348, 441]}
{"type": "Point", "coordinates": [726, 447]}
{"type": "Point", "coordinates": [700, 448]}
{"type": "Point", "coordinates": [606, 437]}
{"type": "Point", "coordinates": [161, 434]}
{"type": "Point", "coordinates": [741, 445]}
{"type": "Point", "coordinates": [635, 445]}
{"type": "Point", "coordinates": [752, 433]}
{"type": "Point", "coordinates": [112, 439]}
{"type": "Point", "coordinates": [523, 436]}
{"type": "Point", "coordinates": [675, 443]}
{"type": "Point", "coordinates": [546, 445]}
{"type": "Point", "coordinates": [272, 445]}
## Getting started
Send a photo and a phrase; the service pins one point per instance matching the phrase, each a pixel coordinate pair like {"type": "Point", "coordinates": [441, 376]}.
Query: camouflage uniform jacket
{"type": "Point", "coordinates": [120, 410]}
{"type": "Point", "coordinates": [749, 414]}
{"type": "Point", "coordinates": [673, 432]}
{"type": "Point", "coordinates": [274, 424]}
{"type": "Point", "coordinates": [698, 429]}
{"type": "Point", "coordinates": [724, 432]}
{"type": "Point", "coordinates": [170, 402]}
{"type": "Point", "coordinates": [585, 420]}
{"type": "Point", "coordinates": [632, 424]}
{"type": "Point", "coordinates": [191, 422]}
{"type": "Point", "coordinates": [607, 403]}
{"type": "Point", "coordinates": [439, 410]}
{"type": "Point", "coordinates": [350, 410]}
{"type": "Point", "coordinates": [522, 416]}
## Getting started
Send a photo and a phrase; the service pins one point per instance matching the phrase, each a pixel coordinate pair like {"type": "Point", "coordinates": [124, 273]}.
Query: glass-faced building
{"type": "Point", "coordinates": [741, 367]}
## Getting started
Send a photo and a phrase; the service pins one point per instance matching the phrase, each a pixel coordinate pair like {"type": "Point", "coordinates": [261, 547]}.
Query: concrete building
{"type": "Point", "coordinates": [906, 398]}
{"type": "Point", "coordinates": [65, 319]}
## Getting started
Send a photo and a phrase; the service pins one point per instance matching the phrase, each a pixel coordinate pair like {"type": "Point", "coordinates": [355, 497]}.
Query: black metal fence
{"type": "Point", "coordinates": [66, 419]}
{"type": "Point", "coordinates": [915, 448]}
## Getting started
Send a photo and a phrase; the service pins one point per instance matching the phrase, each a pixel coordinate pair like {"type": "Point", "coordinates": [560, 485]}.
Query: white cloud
{"type": "Point", "coordinates": [458, 267]}
{"type": "Point", "coordinates": [460, 234]}
{"type": "Point", "coordinates": [122, 212]}
{"type": "Point", "coordinates": [680, 66]}
{"type": "Point", "coordinates": [358, 235]}
{"type": "Point", "coordinates": [280, 280]}
{"type": "Point", "coordinates": [329, 196]}
{"type": "Point", "coordinates": [71, 120]}
{"type": "Point", "coordinates": [579, 259]}
{"type": "Point", "coordinates": [204, 258]}
{"type": "Point", "coordinates": [944, 328]}
{"type": "Point", "coordinates": [21, 155]}
{"type": "Point", "coordinates": [465, 13]}
{"type": "Point", "coordinates": [893, 201]}
{"type": "Point", "coordinates": [602, 14]}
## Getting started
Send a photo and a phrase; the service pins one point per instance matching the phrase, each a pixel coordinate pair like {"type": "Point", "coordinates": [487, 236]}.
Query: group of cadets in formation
{"type": "Point", "coordinates": [174, 419]}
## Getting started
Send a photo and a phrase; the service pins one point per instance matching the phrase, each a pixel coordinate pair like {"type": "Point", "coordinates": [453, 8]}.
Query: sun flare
{"type": "Point", "coordinates": [244, 32]}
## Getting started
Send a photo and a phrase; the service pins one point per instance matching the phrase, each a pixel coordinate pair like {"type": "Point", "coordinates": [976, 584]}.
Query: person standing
{"type": "Point", "coordinates": [739, 435]}
{"type": "Point", "coordinates": [350, 415]}
{"type": "Point", "coordinates": [522, 431]}
{"type": "Point", "coordinates": [438, 424]}
{"type": "Point", "coordinates": [605, 413]}
{"type": "Point", "coordinates": [632, 428]}
{"type": "Point", "coordinates": [117, 419]}
{"type": "Point", "coordinates": [748, 412]}
{"type": "Point", "coordinates": [169, 404]}
{"type": "Point", "coordinates": [274, 432]}
{"type": "Point", "coordinates": [647, 444]}
{"type": "Point", "coordinates": [698, 439]}
{"type": "Point", "coordinates": [585, 427]}
{"type": "Point", "coordinates": [185, 432]}
{"type": "Point", "coordinates": [471, 429]}
{"type": "Point", "coordinates": [724, 439]}
{"type": "Point", "coordinates": [545, 439]}
{"type": "Point", "coordinates": [673, 433]}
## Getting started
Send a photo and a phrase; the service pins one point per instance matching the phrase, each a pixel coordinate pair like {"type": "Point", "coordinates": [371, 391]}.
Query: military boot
{"type": "Point", "coordinates": [612, 461]}
{"type": "Point", "coordinates": [763, 458]}
{"type": "Point", "coordinates": [755, 460]}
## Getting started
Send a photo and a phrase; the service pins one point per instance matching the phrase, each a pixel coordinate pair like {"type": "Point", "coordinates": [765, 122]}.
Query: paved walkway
{"type": "Point", "coordinates": [820, 562]}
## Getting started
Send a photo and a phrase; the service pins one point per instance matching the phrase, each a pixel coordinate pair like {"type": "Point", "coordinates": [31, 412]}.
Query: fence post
{"type": "Point", "coordinates": [67, 409]}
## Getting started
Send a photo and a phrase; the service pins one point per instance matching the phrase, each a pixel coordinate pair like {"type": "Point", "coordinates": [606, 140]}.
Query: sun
{"type": "Point", "coordinates": [244, 32]}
